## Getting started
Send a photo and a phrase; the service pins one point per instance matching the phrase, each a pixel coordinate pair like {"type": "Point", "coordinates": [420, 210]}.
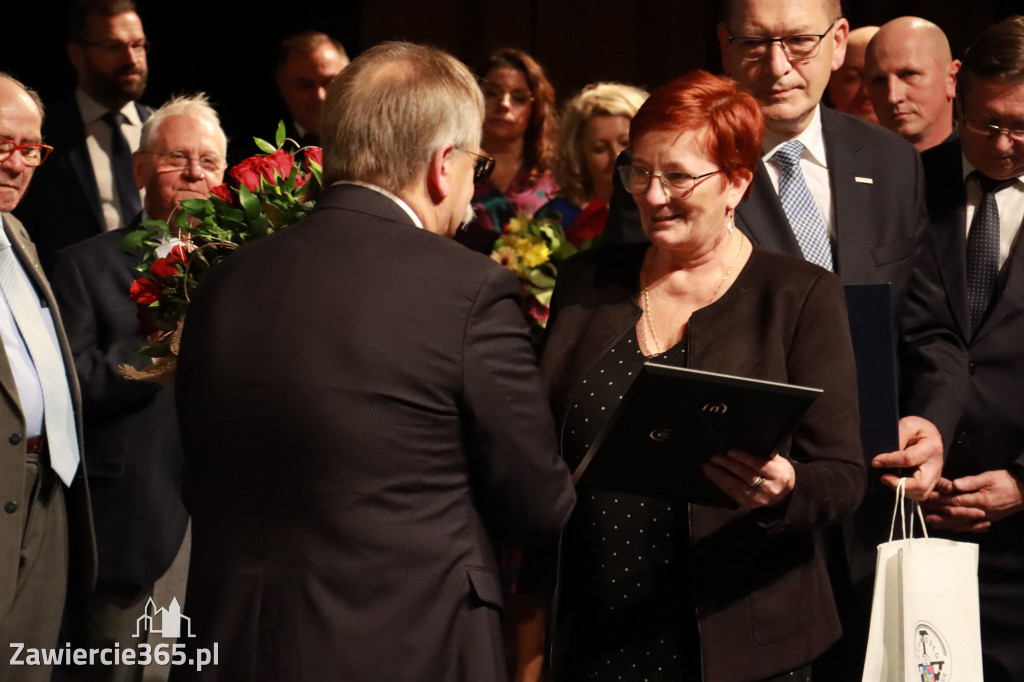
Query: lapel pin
{"type": "Point", "coordinates": [866, 181]}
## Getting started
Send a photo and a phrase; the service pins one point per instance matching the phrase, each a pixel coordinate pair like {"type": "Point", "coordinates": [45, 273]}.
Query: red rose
{"type": "Point", "coordinates": [280, 161]}
{"type": "Point", "coordinates": [248, 172]}
{"type": "Point", "coordinates": [270, 167]}
{"type": "Point", "coordinates": [163, 267]}
{"type": "Point", "coordinates": [145, 291]}
{"type": "Point", "coordinates": [221, 191]}
{"type": "Point", "coordinates": [315, 155]}
{"type": "Point", "coordinates": [179, 254]}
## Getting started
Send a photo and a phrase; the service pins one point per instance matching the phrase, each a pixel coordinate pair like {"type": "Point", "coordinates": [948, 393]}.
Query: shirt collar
{"type": "Point", "coordinates": [969, 168]}
{"type": "Point", "coordinates": [4, 239]}
{"type": "Point", "coordinates": [380, 190]}
{"type": "Point", "coordinates": [811, 138]}
{"type": "Point", "coordinates": [93, 111]}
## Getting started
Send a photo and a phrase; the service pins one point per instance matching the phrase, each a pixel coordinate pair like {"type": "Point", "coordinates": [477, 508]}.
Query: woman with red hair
{"type": "Point", "coordinates": [663, 589]}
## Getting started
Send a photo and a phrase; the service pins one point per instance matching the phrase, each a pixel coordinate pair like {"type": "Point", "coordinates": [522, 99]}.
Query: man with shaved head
{"type": "Point", "coordinates": [910, 75]}
{"type": "Point", "coordinates": [846, 86]}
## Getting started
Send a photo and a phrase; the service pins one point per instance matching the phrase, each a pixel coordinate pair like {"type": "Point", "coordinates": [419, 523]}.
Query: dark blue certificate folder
{"type": "Point", "coordinates": [874, 346]}
{"type": "Point", "coordinates": [670, 422]}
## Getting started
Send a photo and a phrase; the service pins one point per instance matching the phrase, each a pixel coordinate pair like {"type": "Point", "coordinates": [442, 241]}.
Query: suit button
{"type": "Point", "coordinates": [14, 438]}
{"type": "Point", "coordinates": [970, 369]}
{"type": "Point", "coordinates": [11, 507]}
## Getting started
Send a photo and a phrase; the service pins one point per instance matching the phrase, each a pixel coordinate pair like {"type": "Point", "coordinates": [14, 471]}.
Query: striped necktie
{"type": "Point", "coordinates": [58, 414]}
{"type": "Point", "coordinates": [799, 207]}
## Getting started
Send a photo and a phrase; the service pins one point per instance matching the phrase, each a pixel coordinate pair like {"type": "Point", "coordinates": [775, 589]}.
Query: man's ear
{"type": "Point", "coordinates": [138, 165]}
{"type": "Point", "coordinates": [439, 178]}
{"type": "Point", "coordinates": [75, 56]}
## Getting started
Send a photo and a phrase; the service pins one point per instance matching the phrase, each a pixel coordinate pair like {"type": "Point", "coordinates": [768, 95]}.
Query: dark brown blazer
{"type": "Point", "coordinates": [362, 419]}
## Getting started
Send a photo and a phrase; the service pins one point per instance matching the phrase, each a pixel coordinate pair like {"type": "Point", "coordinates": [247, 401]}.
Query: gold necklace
{"type": "Point", "coordinates": [647, 300]}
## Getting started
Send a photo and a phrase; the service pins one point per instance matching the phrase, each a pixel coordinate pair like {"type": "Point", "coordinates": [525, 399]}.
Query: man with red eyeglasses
{"type": "Point", "coordinates": [44, 501]}
{"type": "Point", "coordinates": [87, 188]}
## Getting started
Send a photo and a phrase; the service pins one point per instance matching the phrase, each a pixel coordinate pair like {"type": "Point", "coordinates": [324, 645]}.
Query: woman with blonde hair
{"type": "Point", "coordinates": [594, 130]}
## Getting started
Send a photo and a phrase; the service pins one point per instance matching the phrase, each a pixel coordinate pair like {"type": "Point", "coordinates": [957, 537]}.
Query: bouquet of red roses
{"type": "Point", "coordinates": [264, 193]}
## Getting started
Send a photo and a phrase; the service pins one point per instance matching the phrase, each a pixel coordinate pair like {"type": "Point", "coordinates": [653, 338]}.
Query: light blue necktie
{"type": "Point", "coordinates": [58, 414]}
{"type": "Point", "coordinates": [799, 207]}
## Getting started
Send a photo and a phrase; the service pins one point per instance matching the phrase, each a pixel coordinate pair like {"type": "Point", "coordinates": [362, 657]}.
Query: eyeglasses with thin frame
{"type": "Point", "coordinates": [482, 167]}
{"type": "Point", "coordinates": [32, 154]}
{"type": "Point", "coordinates": [495, 93]}
{"type": "Point", "coordinates": [795, 47]}
{"type": "Point", "coordinates": [994, 131]}
{"type": "Point", "coordinates": [178, 160]}
{"type": "Point", "coordinates": [676, 184]}
{"type": "Point", "coordinates": [115, 47]}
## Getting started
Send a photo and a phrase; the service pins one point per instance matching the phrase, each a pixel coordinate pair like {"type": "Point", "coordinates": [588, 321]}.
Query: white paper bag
{"type": "Point", "coordinates": [925, 625]}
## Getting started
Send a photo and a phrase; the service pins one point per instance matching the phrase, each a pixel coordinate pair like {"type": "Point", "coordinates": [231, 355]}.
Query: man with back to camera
{"type": "Point", "coordinates": [910, 75]}
{"type": "Point", "coordinates": [87, 187]}
{"type": "Point", "coordinates": [47, 548]}
{"type": "Point", "coordinates": [131, 435]}
{"type": "Point", "coordinates": [361, 411]}
{"type": "Point", "coordinates": [306, 64]}
{"type": "Point", "coordinates": [846, 85]}
{"type": "Point", "coordinates": [862, 192]}
{"type": "Point", "coordinates": [962, 331]}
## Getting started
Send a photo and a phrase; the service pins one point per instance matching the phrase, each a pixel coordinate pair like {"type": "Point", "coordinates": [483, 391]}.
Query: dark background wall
{"type": "Point", "coordinates": [227, 48]}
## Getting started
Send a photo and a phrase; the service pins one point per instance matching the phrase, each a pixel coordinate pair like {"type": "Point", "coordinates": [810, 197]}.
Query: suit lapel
{"type": "Point", "coordinates": [761, 217]}
{"type": "Point", "coordinates": [849, 194]}
{"type": "Point", "coordinates": [29, 260]}
{"type": "Point", "coordinates": [946, 198]}
{"type": "Point", "coordinates": [80, 161]}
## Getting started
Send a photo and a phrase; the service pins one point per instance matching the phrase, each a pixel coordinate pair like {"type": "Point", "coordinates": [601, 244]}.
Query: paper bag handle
{"type": "Point", "coordinates": [901, 494]}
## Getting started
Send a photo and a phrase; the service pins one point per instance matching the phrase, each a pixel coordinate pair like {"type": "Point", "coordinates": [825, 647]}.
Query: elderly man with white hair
{"type": "Point", "coordinates": [131, 439]}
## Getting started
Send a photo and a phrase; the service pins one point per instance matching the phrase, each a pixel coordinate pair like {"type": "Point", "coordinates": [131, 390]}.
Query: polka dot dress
{"type": "Point", "coordinates": [625, 586]}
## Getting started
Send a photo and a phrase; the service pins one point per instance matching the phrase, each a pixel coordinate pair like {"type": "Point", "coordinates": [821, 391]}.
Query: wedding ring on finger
{"type": "Point", "coordinates": [758, 482]}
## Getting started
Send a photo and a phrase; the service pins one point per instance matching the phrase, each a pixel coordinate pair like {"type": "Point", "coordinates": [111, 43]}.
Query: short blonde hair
{"type": "Point", "coordinates": [388, 112]}
{"type": "Point", "coordinates": [596, 99]}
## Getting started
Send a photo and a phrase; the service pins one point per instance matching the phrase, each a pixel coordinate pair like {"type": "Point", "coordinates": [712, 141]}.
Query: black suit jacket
{"type": "Point", "coordinates": [361, 415]}
{"type": "Point", "coordinates": [62, 207]}
{"type": "Point", "coordinates": [131, 435]}
{"type": "Point", "coordinates": [969, 385]}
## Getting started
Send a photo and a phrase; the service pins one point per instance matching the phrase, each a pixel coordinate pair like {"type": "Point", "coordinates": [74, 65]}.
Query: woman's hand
{"type": "Point", "coordinates": [752, 481]}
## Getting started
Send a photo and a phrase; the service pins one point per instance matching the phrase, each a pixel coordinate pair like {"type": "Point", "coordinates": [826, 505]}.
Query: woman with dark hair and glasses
{"type": "Point", "coordinates": [520, 125]}
{"type": "Point", "coordinates": [663, 589]}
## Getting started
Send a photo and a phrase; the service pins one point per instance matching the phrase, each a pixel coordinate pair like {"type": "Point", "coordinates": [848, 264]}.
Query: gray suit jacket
{"type": "Point", "coordinates": [12, 450]}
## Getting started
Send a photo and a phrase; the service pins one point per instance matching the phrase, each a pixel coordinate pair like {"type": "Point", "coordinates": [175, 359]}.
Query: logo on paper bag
{"type": "Point", "coordinates": [932, 652]}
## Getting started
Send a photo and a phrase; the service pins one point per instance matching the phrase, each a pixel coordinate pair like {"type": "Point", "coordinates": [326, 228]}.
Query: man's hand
{"type": "Point", "coordinates": [920, 450]}
{"type": "Point", "coordinates": [972, 503]}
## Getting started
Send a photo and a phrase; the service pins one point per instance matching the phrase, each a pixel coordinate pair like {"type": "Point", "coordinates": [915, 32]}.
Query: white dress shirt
{"type": "Point", "coordinates": [1009, 200]}
{"type": "Point", "coordinates": [98, 140]}
{"type": "Point", "coordinates": [30, 392]}
{"type": "Point", "coordinates": [813, 165]}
